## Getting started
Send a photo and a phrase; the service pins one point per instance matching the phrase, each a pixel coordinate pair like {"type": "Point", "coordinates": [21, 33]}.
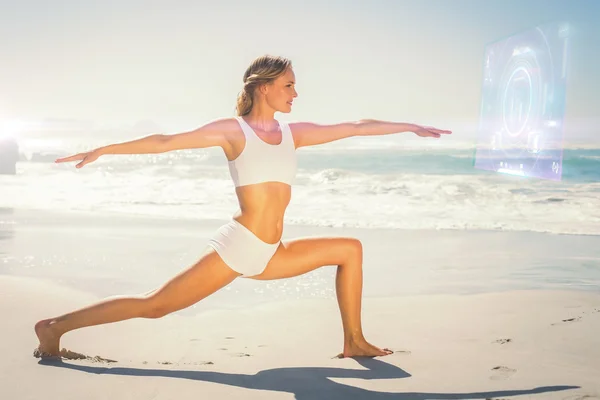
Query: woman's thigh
{"type": "Point", "coordinates": [299, 256]}
{"type": "Point", "coordinates": [206, 276]}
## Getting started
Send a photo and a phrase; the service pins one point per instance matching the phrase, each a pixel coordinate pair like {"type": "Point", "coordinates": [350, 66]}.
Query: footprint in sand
{"type": "Point", "coordinates": [241, 355]}
{"type": "Point", "coordinates": [502, 373]}
{"type": "Point", "coordinates": [503, 341]}
{"type": "Point", "coordinates": [71, 355]}
{"type": "Point", "coordinates": [564, 321]}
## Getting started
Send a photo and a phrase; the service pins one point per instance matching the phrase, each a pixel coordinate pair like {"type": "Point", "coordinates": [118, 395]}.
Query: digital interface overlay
{"type": "Point", "coordinates": [523, 103]}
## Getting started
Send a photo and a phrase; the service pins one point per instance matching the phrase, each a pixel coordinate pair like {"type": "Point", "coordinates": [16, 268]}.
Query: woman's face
{"type": "Point", "coordinates": [281, 92]}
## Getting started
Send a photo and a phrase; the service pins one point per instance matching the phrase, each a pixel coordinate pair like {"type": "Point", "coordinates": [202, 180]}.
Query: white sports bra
{"type": "Point", "coordinates": [263, 162]}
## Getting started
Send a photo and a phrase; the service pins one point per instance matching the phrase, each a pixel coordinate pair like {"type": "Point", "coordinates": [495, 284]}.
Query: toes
{"type": "Point", "coordinates": [386, 352]}
{"type": "Point", "coordinates": [37, 353]}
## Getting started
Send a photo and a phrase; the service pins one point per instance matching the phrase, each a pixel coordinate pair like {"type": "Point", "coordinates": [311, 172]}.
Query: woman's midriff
{"type": "Point", "coordinates": [262, 208]}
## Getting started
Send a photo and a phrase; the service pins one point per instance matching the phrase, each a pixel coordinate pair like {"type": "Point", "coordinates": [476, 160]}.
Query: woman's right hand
{"type": "Point", "coordinates": [85, 158]}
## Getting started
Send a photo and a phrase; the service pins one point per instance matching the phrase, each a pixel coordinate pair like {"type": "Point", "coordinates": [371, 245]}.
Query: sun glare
{"type": "Point", "coordinates": [11, 127]}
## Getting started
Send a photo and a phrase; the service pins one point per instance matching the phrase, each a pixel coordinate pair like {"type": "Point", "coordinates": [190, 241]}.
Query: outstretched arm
{"type": "Point", "coordinates": [310, 134]}
{"type": "Point", "coordinates": [209, 135]}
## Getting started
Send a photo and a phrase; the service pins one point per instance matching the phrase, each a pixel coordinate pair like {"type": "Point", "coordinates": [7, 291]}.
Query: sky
{"type": "Point", "coordinates": [180, 63]}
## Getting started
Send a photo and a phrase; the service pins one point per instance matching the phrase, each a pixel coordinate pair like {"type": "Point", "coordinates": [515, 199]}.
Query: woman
{"type": "Point", "coordinates": [262, 161]}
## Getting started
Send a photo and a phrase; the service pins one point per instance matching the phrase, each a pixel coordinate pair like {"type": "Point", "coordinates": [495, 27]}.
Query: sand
{"type": "Point", "coordinates": [460, 341]}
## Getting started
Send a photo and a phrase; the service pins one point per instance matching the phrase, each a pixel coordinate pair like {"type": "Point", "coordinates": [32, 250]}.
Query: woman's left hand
{"type": "Point", "coordinates": [429, 131]}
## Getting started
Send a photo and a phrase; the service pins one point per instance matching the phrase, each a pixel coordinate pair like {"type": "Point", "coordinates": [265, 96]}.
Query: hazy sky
{"type": "Point", "coordinates": [182, 61]}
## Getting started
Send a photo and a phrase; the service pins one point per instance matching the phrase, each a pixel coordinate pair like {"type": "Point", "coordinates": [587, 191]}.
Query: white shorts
{"type": "Point", "coordinates": [241, 249]}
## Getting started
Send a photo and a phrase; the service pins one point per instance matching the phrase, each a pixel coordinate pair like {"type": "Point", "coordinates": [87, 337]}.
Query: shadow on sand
{"type": "Point", "coordinates": [308, 383]}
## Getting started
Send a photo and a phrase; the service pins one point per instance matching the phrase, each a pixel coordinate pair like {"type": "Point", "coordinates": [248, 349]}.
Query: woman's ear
{"type": "Point", "coordinates": [263, 89]}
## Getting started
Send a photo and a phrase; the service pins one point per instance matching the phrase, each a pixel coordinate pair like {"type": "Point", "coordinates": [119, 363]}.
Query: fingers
{"type": "Point", "coordinates": [76, 157]}
{"type": "Point", "coordinates": [84, 157]}
{"type": "Point", "coordinates": [86, 160]}
{"type": "Point", "coordinates": [437, 133]}
{"type": "Point", "coordinates": [430, 131]}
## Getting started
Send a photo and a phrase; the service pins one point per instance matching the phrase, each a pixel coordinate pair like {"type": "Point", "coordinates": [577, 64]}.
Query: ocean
{"type": "Point", "coordinates": [366, 183]}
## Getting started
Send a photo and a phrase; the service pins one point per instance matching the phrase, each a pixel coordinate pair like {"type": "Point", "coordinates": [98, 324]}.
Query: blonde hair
{"type": "Point", "coordinates": [263, 70]}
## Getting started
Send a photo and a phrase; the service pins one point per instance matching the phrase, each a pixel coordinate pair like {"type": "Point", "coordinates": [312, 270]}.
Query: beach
{"type": "Point", "coordinates": [469, 314]}
{"type": "Point", "coordinates": [457, 140]}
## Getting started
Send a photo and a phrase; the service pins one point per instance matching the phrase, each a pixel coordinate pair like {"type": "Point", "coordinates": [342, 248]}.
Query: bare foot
{"type": "Point", "coordinates": [363, 349]}
{"type": "Point", "coordinates": [49, 340]}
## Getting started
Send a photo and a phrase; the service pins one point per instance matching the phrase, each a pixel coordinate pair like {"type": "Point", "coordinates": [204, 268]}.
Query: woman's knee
{"type": "Point", "coordinates": [353, 248]}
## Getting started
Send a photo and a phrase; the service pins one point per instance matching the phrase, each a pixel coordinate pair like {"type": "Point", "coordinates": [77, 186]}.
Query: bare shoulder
{"type": "Point", "coordinates": [216, 133]}
{"type": "Point", "coordinates": [230, 129]}
{"type": "Point", "coordinates": [299, 130]}
{"type": "Point", "coordinates": [232, 136]}
{"type": "Point", "coordinates": [225, 125]}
